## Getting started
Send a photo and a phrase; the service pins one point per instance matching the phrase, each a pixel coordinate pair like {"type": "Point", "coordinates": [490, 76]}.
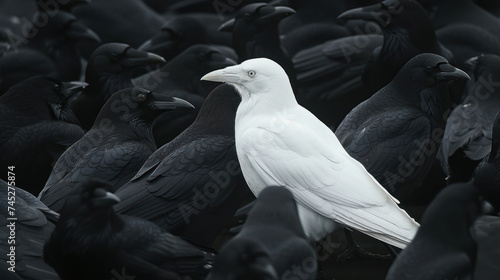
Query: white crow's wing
{"type": "Point", "coordinates": [301, 155]}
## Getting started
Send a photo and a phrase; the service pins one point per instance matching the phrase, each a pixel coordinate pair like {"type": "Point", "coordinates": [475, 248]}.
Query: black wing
{"type": "Point", "coordinates": [147, 247]}
{"type": "Point", "coordinates": [388, 141]}
{"type": "Point", "coordinates": [196, 177]}
{"type": "Point", "coordinates": [32, 229]}
{"type": "Point", "coordinates": [115, 163]}
{"type": "Point", "coordinates": [335, 68]}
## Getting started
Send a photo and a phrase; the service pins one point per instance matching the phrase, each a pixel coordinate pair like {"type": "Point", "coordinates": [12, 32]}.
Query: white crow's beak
{"type": "Point", "coordinates": [226, 75]}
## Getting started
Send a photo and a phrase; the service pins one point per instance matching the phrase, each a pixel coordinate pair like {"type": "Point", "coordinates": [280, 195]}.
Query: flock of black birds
{"type": "Point", "coordinates": [123, 162]}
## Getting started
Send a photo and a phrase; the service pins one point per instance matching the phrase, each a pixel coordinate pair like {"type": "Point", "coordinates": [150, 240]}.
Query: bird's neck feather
{"type": "Point", "coordinates": [266, 103]}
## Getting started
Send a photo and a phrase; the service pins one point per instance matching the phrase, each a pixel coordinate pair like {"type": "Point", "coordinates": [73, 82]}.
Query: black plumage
{"type": "Point", "coordinates": [446, 12]}
{"type": "Point", "coordinates": [468, 131]}
{"type": "Point", "coordinates": [36, 126]}
{"type": "Point", "coordinates": [255, 34]}
{"type": "Point", "coordinates": [116, 146]}
{"type": "Point", "coordinates": [192, 186]}
{"type": "Point", "coordinates": [396, 133]}
{"type": "Point", "coordinates": [33, 225]}
{"type": "Point", "coordinates": [180, 77]}
{"type": "Point", "coordinates": [109, 70]}
{"type": "Point", "coordinates": [485, 232]}
{"type": "Point", "coordinates": [271, 245]}
{"type": "Point", "coordinates": [91, 241]}
{"type": "Point", "coordinates": [52, 49]}
{"type": "Point", "coordinates": [466, 40]}
{"type": "Point", "coordinates": [182, 32]}
{"type": "Point", "coordinates": [349, 70]}
{"type": "Point", "coordinates": [453, 241]}
{"type": "Point", "coordinates": [443, 247]}
{"type": "Point", "coordinates": [125, 21]}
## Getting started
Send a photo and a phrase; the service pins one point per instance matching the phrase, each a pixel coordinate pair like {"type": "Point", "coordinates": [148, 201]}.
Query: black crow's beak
{"type": "Point", "coordinates": [160, 44]}
{"type": "Point", "coordinates": [276, 15]}
{"type": "Point", "coordinates": [103, 198]}
{"type": "Point", "coordinates": [163, 102]}
{"type": "Point", "coordinates": [72, 88]}
{"type": "Point", "coordinates": [134, 58]}
{"type": "Point", "coordinates": [79, 32]}
{"type": "Point", "coordinates": [264, 269]}
{"type": "Point", "coordinates": [366, 13]}
{"type": "Point", "coordinates": [227, 26]}
{"type": "Point", "coordinates": [219, 60]}
{"type": "Point", "coordinates": [448, 72]}
{"type": "Point", "coordinates": [380, 12]}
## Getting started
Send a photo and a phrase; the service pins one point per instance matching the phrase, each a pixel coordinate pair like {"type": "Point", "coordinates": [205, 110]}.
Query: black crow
{"type": "Point", "coordinates": [50, 50]}
{"type": "Point", "coordinates": [446, 12]}
{"type": "Point", "coordinates": [26, 223]}
{"type": "Point", "coordinates": [91, 241]}
{"type": "Point", "coordinates": [468, 131]}
{"type": "Point", "coordinates": [451, 242]}
{"type": "Point", "coordinates": [466, 40]}
{"type": "Point", "coordinates": [116, 146]}
{"type": "Point", "coordinates": [123, 21]}
{"type": "Point", "coordinates": [182, 32]}
{"type": "Point", "coordinates": [443, 247]}
{"type": "Point", "coordinates": [109, 70]}
{"type": "Point", "coordinates": [255, 34]}
{"type": "Point", "coordinates": [193, 185]}
{"type": "Point", "coordinates": [271, 245]}
{"type": "Point", "coordinates": [325, 70]}
{"type": "Point", "coordinates": [36, 126]}
{"type": "Point", "coordinates": [396, 133]}
{"type": "Point", "coordinates": [180, 77]}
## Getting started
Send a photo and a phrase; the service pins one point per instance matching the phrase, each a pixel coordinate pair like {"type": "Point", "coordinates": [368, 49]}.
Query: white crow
{"type": "Point", "coordinates": [279, 142]}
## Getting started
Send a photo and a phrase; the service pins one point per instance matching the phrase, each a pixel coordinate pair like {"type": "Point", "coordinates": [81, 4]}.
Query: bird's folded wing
{"type": "Point", "coordinates": [201, 170]}
{"type": "Point", "coordinates": [115, 163]}
{"type": "Point", "coordinates": [389, 141]}
{"type": "Point", "coordinates": [335, 67]}
{"type": "Point", "coordinates": [155, 248]}
{"type": "Point", "coordinates": [325, 179]}
{"type": "Point", "coordinates": [465, 126]}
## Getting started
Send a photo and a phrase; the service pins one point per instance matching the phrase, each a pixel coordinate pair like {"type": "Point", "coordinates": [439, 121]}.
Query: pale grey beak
{"type": "Point", "coordinates": [226, 75]}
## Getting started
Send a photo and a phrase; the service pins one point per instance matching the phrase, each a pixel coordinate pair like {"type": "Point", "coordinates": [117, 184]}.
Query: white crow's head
{"type": "Point", "coordinates": [253, 76]}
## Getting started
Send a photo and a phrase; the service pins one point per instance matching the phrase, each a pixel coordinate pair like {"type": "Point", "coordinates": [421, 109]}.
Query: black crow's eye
{"type": "Point", "coordinates": [429, 69]}
{"type": "Point", "coordinates": [251, 73]}
{"type": "Point", "coordinates": [114, 56]}
{"type": "Point", "coordinates": [56, 87]}
{"type": "Point", "coordinates": [141, 96]}
{"type": "Point", "coordinates": [86, 195]}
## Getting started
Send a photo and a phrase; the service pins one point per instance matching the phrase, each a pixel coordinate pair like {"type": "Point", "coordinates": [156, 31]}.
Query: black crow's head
{"type": "Point", "coordinates": [243, 258]}
{"type": "Point", "coordinates": [43, 98]}
{"type": "Point", "coordinates": [174, 37]}
{"type": "Point", "coordinates": [116, 59]}
{"type": "Point", "coordinates": [138, 107]}
{"type": "Point", "coordinates": [90, 195]}
{"type": "Point", "coordinates": [257, 16]}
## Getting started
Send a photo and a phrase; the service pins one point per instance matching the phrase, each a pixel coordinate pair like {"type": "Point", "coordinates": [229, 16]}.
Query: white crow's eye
{"type": "Point", "coordinates": [251, 73]}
